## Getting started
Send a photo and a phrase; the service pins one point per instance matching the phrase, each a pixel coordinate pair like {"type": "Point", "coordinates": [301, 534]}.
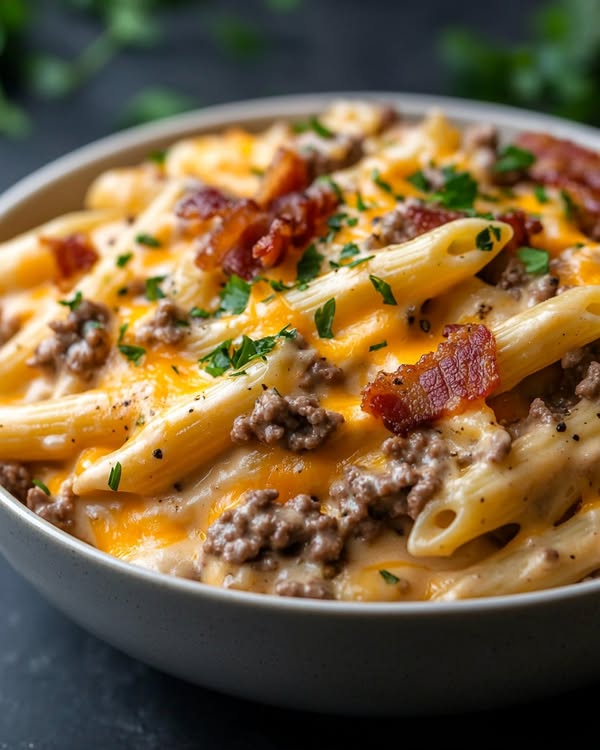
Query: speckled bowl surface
{"type": "Point", "coordinates": [360, 659]}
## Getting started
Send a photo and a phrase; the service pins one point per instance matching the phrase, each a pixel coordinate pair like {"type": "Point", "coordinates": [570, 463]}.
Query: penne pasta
{"type": "Point", "coordinates": [354, 357]}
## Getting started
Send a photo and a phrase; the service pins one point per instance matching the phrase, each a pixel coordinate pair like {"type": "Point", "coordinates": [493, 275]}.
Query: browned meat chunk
{"type": "Point", "coordinates": [409, 220]}
{"type": "Point", "coordinates": [169, 325]}
{"type": "Point", "coordinates": [56, 510]}
{"type": "Point", "coordinates": [315, 588]}
{"type": "Point", "coordinates": [15, 478]}
{"type": "Point", "coordinates": [299, 423]}
{"type": "Point", "coordinates": [317, 370]}
{"type": "Point", "coordinates": [415, 470]}
{"type": "Point", "coordinates": [325, 155]}
{"type": "Point", "coordinates": [260, 526]}
{"type": "Point", "coordinates": [81, 342]}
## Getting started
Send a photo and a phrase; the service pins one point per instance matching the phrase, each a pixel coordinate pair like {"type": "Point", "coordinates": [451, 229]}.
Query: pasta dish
{"type": "Point", "coordinates": [354, 357]}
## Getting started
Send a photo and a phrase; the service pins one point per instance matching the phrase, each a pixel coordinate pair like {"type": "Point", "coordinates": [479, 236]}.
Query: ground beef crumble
{"type": "Point", "coordinates": [577, 376]}
{"type": "Point", "coordinates": [533, 288]}
{"type": "Point", "coordinates": [81, 342]}
{"type": "Point", "coordinates": [261, 526]}
{"type": "Point", "coordinates": [415, 470]}
{"type": "Point", "coordinates": [15, 478]}
{"type": "Point", "coordinates": [56, 510]}
{"type": "Point", "coordinates": [169, 325]}
{"type": "Point", "coordinates": [326, 155]}
{"type": "Point", "coordinates": [297, 422]}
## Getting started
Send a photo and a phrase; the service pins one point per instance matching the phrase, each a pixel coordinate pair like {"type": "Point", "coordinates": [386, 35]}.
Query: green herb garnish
{"type": "Point", "coordinates": [309, 266]}
{"type": "Point", "coordinates": [384, 289]}
{"type": "Point", "coordinates": [541, 194]}
{"type": "Point", "coordinates": [114, 478]}
{"type": "Point", "coordinates": [484, 239]}
{"type": "Point", "coordinates": [535, 261]}
{"type": "Point", "coordinates": [458, 192]}
{"type": "Point", "coordinates": [380, 345]}
{"type": "Point", "coordinates": [153, 290]}
{"type": "Point", "coordinates": [123, 260]}
{"type": "Point", "coordinates": [388, 577]}
{"type": "Point", "coordinates": [148, 239]}
{"type": "Point", "coordinates": [41, 485]}
{"type": "Point", "coordinates": [380, 182]}
{"type": "Point", "coordinates": [419, 181]}
{"type": "Point", "coordinates": [132, 353]}
{"type": "Point", "coordinates": [324, 319]}
{"type": "Point", "coordinates": [512, 158]}
{"type": "Point", "coordinates": [235, 295]}
{"type": "Point", "coordinates": [73, 303]}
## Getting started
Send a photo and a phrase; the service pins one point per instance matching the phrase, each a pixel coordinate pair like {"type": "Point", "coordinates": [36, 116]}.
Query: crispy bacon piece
{"type": "Point", "coordinates": [73, 254]}
{"type": "Point", "coordinates": [421, 218]}
{"type": "Point", "coordinates": [287, 173]}
{"type": "Point", "coordinates": [247, 237]}
{"type": "Point", "coordinates": [573, 168]}
{"type": "Point", "coordinates": [560, 161]}
{"type": "Point", "coordinates": [413, 218]}
{"type": "Point", "coordinates": [203, 204]}
{"type": "Point", "coordinates": [462, 369]}
{"type": "Point", "coordinates": [523, 226]}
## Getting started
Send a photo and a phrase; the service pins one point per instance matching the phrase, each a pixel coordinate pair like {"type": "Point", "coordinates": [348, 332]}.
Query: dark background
{"type": "Point", "coordinates": [61, 688]}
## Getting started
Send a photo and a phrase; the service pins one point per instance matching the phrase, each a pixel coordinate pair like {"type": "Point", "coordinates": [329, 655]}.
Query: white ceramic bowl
{"type": "Point", "coordinates": [335, 657]}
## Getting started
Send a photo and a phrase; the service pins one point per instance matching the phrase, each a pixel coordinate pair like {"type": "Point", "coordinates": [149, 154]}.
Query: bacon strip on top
{"type": "Point", "coordinates": [73, 254]}
{"type": "Point", "coordinates": [254, 234]}
{"type": "Point", "coordinates": [574, 168]}
{"type": "Point", "coordinates": [463, 369]}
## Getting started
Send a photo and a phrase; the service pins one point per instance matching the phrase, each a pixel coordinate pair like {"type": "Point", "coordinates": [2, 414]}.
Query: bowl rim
{"type": "Point", "coordinates": [269, 108]}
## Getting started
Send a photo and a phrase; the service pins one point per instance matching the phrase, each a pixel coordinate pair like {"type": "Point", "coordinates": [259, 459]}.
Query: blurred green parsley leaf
{"type": "Point", "coordinates": [557, 70]}
{"type": "Point", "coordinates": [155, 103]}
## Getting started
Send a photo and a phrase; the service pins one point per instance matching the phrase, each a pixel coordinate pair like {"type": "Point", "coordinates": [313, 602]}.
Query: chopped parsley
{"type": "Point", "coordinates": [349, 250]}
{"type": "Point", "coordinates": [308, 267]}
{"type": "Point", "coordinates": [73, 303]}
{"type": "Point", "coordinates": [219, 360]}
{"type": "Point", "coordinates": [389, 577]}
{"type": "Point", "coordinates": [535, 261]}
{"type": "Point", "coordinates": [279, 286]}
{"type": "Point", "coordinates": [334, 186]}
{"type": "Point", "coordinates": [376, 347]}
{"type": "Point", "coordinates": [148, 239]}
{"type": "Point", "coordinates": [541, 194]}
{"type": "Point", "coordinates": [158, 157]}
{"type": "Point", "coordinates": [512, 158]}
{"type": "Point", "coordinates": [458, 191]}
{"type": "Point", "coordinates": [313, 123]}
{"type": "Point", "coordinates": [568, 204]}
{"type": "Point", "coordinates": [384, 289]}
{"type": "Point", "coordinates": [358, 261]}
{"type": "Point", "coordinates": [235, 295]}
{"type": "Point", "coordinates": [132, 353]}
{"type": "Point", "coordinates": [225, 356]}
{"type": "Point", "coordinates": [360, 203]}
{"type": "Point", "coordinates": [41, 485]}
{"type": "Point", "coordinates": [484, 239]}
{"type": "Point", "coordinates": [324, 319]}
{"type": "Point", "coordinates": [380, 182]}
{"type": "Point", "coordinates": [153, 290]}
{"type": "Point", "coordinates": [199, 312]}
{"type": "Point", "coordinates": [124, 259]}
{"type": "Point", "coordinates": [337, 221]}
{"type": "Point", "coordinates": [129, 351]}
{"type": "Point", "coordinates": [418, 180]}
{"type": "Point", "coordinates": [114, 478]}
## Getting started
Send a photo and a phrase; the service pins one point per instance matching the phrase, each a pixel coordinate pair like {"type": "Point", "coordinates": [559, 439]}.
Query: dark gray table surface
{"type": "Point", "coordinates": [60, 687]}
